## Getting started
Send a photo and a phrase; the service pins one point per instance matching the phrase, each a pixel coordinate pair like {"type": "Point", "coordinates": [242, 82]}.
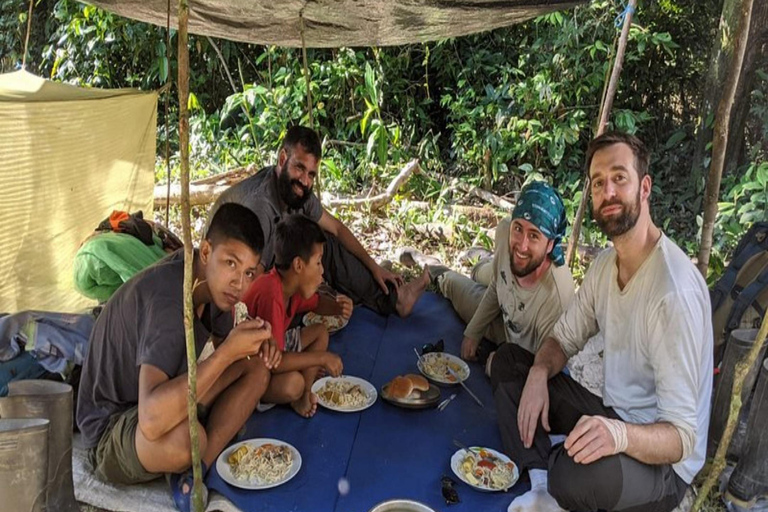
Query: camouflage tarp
{"type": "Point", "coordinates": [335, 23]}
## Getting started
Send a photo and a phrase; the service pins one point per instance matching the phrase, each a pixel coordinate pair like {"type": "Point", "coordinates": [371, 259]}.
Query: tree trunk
{"type": "Point", "coordinates": [720, 140]}
{"type": "Point", "coordinates": [183, 58]}
{"type": "Point", "coordinates": [718, 68]}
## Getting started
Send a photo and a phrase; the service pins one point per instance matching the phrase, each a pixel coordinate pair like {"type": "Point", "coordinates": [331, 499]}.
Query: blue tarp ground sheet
{"type": "Point", "coordinates": [384, 452]}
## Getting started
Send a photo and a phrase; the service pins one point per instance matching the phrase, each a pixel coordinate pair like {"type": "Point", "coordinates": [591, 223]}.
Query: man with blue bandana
{"type": "Point", "coordinates": [528, 285]}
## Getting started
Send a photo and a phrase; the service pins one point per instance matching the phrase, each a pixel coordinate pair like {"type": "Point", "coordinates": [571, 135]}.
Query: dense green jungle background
{"type": "Point", "coordinates": [491, 110]}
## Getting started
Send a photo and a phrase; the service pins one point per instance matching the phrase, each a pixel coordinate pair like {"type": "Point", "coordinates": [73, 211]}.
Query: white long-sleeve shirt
{"type": "Point", "coordinates": [658, 343]}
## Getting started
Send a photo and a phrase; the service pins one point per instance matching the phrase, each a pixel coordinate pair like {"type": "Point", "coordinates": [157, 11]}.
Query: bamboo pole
{"type": "Point", "coordinates": [605, 113]}
{"type": "Point", "coordinates": [305, 67]}
{"type": "Point", "coordinates": [740, 375]}
{"type": "Point", "coordinates": [183, 51]}
{"type": "Point", "coordinates": [167, 96]}
{"type": "Point", "coordinates": [26, 37]}
{"type": "Point", "coordinates": [720, 137]}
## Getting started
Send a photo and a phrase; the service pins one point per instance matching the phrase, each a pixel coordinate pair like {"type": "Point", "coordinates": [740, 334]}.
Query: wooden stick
{"type": "Point", "coordinates": [720, 137]}
{"type": "Point", "coordinates": [26, 38]}
{"type": "Point", "coordinates": [740, 375]}
{"type": "Point", "coordinates": [379, 200]}
{"type": "Point", "coordinates": [197, 487]}
{"type": "Point", "coordinates": [605, 115]}
{"type": "Point", "coordinates": [166, 99]}
{"type": "Point", "coordinates": [306, 71]}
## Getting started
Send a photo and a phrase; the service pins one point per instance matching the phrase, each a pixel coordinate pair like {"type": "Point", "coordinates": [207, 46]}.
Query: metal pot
{"type": "Point", "coordinates": [401, 506]}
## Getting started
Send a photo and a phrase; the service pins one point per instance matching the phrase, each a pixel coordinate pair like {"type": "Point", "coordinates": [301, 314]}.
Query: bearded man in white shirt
{"type": "Point", "coordinates": [639, 446]}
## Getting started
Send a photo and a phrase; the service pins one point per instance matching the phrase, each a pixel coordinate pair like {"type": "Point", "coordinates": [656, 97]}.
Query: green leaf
{"type": "Point", "coordinates": [381, 135]}
{"type": "Point", "coordinates": [762, 174]}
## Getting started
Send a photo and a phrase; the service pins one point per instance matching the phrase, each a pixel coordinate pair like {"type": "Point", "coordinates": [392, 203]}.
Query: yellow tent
{"type": "Point", "coordinates": [69, 156]}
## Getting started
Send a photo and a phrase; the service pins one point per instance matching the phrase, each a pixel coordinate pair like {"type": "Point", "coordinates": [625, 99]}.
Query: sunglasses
{"type": "Point", "coordinates": [433, 347]}
{"type": "Point", "coordinates": [449, 493]}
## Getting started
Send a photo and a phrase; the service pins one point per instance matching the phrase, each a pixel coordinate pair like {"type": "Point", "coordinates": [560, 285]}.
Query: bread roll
{"type": "Point", "coordinates": [400, 387]}
{"type": "Point", "coordinates": [418, 381]}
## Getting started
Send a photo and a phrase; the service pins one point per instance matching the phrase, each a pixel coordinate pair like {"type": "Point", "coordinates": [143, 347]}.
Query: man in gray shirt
{"type": "Point", "coordinates": [277, 191]}
{"type": "Point", "coordinates": [640, 445]}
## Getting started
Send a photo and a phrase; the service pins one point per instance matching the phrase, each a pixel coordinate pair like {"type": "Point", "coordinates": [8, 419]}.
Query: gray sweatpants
{"type": "Point", "coordinates": [618, 482]}
{"type": "Point", "coordinates": [465, 295]}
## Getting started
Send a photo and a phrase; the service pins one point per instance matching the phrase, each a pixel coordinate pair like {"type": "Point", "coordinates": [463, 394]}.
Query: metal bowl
{"type": "Point", "coordinates": [401, 506]}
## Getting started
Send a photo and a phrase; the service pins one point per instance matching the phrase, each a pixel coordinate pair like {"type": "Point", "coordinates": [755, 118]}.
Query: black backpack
{"type": "Point", "coordinates": [740, 297]}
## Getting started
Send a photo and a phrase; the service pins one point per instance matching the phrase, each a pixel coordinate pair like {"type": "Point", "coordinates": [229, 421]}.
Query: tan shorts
{"type": "Point", "coordinates": [114, 458]}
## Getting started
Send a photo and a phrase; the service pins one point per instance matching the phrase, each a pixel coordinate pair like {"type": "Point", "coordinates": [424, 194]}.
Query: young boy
{"type": "Point", "coordinates": [132, 405]}
{"type": "Point", "coordinates": [289, 289]}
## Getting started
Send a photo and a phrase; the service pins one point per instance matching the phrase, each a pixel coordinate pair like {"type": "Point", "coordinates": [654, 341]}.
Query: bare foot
{"type": "Point", "coordinates": [410, 293]}
{"type": "Point", "coordinates": [305, 406]}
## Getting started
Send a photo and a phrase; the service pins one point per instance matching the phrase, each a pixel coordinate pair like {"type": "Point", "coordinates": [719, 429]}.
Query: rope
{"type": "Point", "coordinates": [26, 38]}
{"type": "Point", "coordinates": [167, 86]}
{"type": "Point", "coordinates": [629, 10]}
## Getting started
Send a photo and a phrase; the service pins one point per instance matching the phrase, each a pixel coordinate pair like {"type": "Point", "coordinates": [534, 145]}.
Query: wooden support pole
{"type": "Point", "coordinates": [720, 137]}
{"type": "Point", "coordinates": [605, 113]}
{"type": "Point", "coordinates": [183, 51]}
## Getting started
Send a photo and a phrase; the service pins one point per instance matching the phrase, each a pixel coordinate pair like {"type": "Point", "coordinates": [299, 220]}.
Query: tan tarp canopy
{"type": "Point", "coordinates": [68, 157]}
{"type": "Point", "coordinates": [334, 23]}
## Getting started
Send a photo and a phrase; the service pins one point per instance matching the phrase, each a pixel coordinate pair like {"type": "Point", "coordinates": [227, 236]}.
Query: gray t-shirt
{"type": "Point", "coordinates": [143, 323]}
{"type": "Point", "coordinates": [259, 194]}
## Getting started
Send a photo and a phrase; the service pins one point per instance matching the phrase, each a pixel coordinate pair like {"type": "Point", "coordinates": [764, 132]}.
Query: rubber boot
{"type": "Point", "coordinates": [52, 401]}
{"type": "Point", "coordinates": [24, 464]}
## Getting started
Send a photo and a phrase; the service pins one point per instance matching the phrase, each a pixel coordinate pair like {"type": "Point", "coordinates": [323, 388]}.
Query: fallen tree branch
{"type": "Point", "coordinates": [229, 177]}
{"type": "Point", "coordinates": [490, 197]}
{"type": "Point", "coordinates": [473, 212]}
{"type": "Point", "coordinates": [198, 194]}
{"type": "Point", "coordinates": [379, 200]}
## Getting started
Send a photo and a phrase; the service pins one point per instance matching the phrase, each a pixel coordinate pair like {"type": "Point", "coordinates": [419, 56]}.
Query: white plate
{"type": "Point", "coordinates": [366, 386]}
{"type": "Point", "coordinates": [331, 322]}
{"type": "Point", "coordinates": [459, 456]}
{"type": "Point", "coordinates": [225, 471]}
{"type": "Point", "coordinates": [462, 372]}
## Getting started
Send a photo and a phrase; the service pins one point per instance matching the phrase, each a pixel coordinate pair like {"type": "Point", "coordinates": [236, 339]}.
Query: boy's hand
{"type": "Point", "coordinates": [270, 354]}
{"type": "Point", "coordinates": [333, 364]}
{"type": "Point", "coordinates": [247, 338]}
{"type": "Point", "coordinates": [345, 306]}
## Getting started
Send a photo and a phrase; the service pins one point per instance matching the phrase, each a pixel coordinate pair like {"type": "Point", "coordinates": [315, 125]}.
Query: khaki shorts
{"type": "Point", "coordinates": [114, 458]}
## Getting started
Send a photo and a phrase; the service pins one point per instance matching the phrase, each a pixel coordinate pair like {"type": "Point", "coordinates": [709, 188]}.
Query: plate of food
{"type": "Point", "coordinates": [435, 366]}
{"type": "Point", "coordinates": [258, 463]}
{"type": "Point", "coordinates": [484, 469]}
{"type": "Point", "coordinates": [331, 322]}
{"type": "Point", "coordinates": [410, 391]}
{"type": "Point", "coordinates": [345, 393]}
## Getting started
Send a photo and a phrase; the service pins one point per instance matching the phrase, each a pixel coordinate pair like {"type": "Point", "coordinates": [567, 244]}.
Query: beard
{"type": "Point", "coordinates": [285, 190]}
{"type": "Point", "coordinates": [616, 225]}
{"type": "Point", "coordinates": [533, 264]}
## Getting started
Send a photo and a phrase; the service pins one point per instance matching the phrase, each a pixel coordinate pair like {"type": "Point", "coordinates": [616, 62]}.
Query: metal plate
{"type": "Point", "coordinates": [416, 400]}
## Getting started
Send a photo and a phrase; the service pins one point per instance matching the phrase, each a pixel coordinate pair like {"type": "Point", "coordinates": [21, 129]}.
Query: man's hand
{"type": "Point", "coordinates": [247, 338]}
{"type": "Point", "coordinates": [270, 354]}
{"type": "Point", "coordinates": [345, 306]}
{"type": "Point", "coordinates": [469, 349]}
{"type": "Point", "coordinates": [382, 275]}
{"type": "Point", "coordinates": [332, 363]}
{"type": "Point", "coordinates": [592, 439]}
{"type": "Point", "coordinates": [534, 404]}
